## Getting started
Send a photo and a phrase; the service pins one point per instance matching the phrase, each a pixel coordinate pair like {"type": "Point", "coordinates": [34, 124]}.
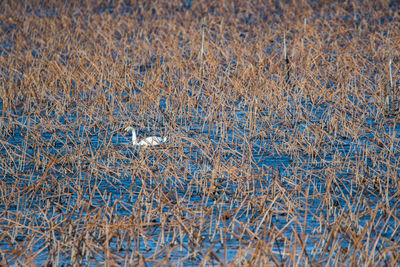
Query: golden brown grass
{"type": "Point", "coordinates": [269, 161]}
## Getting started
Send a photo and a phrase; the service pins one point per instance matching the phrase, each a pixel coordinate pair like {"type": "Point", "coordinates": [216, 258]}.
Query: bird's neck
{"type": "Point", "coordinates": [134, 137]}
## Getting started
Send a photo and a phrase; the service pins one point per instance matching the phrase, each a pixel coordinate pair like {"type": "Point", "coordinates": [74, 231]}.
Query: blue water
{"type": "Point", "coordinates": [265, 156]}
{"type": "Point", "coordinates": [286, 165]}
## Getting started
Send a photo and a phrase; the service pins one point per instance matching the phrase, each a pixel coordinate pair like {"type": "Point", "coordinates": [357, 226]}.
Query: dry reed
{"type": "Point", "coordinates": [282, 122]}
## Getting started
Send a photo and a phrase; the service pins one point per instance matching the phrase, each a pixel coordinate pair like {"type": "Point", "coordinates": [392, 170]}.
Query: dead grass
{"type": "Point", "coordinates": [269, 161]}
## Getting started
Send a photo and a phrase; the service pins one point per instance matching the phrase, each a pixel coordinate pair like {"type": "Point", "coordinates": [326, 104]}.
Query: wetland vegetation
{"type": "Point", "coordinates": [282, 126]}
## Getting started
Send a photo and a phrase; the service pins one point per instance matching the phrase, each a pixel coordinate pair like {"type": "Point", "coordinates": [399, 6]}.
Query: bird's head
{"type": "Point", "coordinates": [128, 129]}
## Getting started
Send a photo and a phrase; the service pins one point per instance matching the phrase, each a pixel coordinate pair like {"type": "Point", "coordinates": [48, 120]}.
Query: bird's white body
{"type": "Point", "coordinates": [148, 141]}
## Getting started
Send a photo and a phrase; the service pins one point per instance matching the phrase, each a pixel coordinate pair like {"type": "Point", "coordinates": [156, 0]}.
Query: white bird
{"type": "Point", "coordinates": [148, 141]}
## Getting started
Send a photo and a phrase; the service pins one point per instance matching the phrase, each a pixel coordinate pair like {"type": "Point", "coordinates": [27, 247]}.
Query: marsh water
{"type": "Point", "coordinates": [267, 160]}
{"type": "Point", "coordinates": [194, 147]}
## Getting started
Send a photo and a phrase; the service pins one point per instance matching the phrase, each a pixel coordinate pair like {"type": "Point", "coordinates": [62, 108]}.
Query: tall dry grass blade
{"type": "Point", "coordinates": [203, 30]}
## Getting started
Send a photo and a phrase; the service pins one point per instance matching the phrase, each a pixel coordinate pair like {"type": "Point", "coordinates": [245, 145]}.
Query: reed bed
{"type": "Point", "coordinates": [282, 121]}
